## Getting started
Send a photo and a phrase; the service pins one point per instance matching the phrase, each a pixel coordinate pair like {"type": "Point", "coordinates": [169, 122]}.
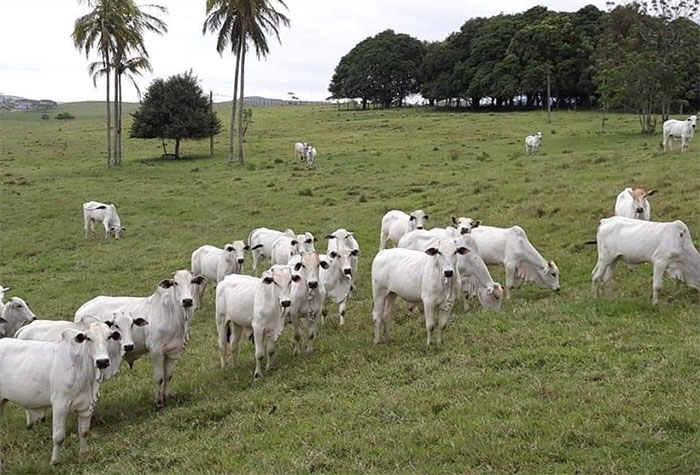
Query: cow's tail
{"type": "Point", "coordinates": [250, 239]}
{"type": "Point", "coordinates": [595, 241]}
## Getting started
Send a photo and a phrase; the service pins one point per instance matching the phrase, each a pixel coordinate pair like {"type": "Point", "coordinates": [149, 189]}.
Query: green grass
{"type": "Point", "coordinates": [551, 384]}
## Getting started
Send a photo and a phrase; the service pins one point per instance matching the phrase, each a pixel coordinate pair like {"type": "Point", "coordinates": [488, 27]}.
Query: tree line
{"type": "Point", "coordinates": [643, 57]}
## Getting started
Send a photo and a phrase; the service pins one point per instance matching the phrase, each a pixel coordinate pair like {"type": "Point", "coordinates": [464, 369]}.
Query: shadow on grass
{"type": "Point", "coordinates": [170, 158]}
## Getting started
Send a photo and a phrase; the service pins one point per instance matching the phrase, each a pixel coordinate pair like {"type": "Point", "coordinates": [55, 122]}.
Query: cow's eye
{"type": "Point", "coordinates": [175, 283]}
{"type": "Point", "coordinates": [554, 274]}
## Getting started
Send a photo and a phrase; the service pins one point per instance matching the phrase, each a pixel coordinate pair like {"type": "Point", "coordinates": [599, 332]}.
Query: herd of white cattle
{"type": "Point", "coordinates": [61, 364]}
{"type": "Point", "coordinates": [305, 152]}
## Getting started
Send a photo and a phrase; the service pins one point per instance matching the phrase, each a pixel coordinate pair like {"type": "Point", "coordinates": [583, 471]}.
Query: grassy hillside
{"type": "Point", "coordinates": [552, 383]}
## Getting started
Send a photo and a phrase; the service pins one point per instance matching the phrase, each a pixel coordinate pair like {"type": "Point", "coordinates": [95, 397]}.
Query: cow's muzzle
{"type": "Point", "coordinates": [448, 273]}
{"type": "Point", "coordinates": [240, 261]}
{"type": "Point", "coordinates": [347, 271]}
{"type": "Point", "coordinates": [286, 303]}
{"type": "Point", "coordinates": [102, 363]}
{"type": "Point", "coordinates": [464, 231]}
{"type": "Point", "coordinates": [128, 348]}
{"type": "Point", "coordinates": [640, 210]}
{"type": "Point", "coordinates": [187, 303]}
{"type": "Point", "coordinates": [419, 227]}
{"type": "Point", "coordinates": [313, 285]}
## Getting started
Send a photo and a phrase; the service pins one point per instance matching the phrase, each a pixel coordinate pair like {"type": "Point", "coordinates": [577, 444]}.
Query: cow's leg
{"type": "Point", "coordinates": [609, 280]}
{"type": "Point", "coordinates": [235, 340]}
{"type": "Point", "coordinates": [34, 415]}
{"type": "Point", "coordinates": [386, 318]}
{"type": "Point", "coordinates": [297, 334]}
{"type": "Point", "coordinates": [84, 419]}
{"type": "Point", "coordinates": [259, 340]}
{"type": "Point", "coordinates": [256, 257]}
{"type": "Point", "coordinates": [222, 329]}
{"type": "Point", "coordinates": [378, 315]}
{"type": "Point", "coordinates": [341, 310]}
{"type": "Point", "coordinates": [676, 290]}
{"type": "Point", "coordinates": [60, 413]}
{"type": "Point", "coordinates": [383, 238]}
{"type": "Point", "coordinates": [444, 318]}
{"type": "Point", "coordinates": [158, 362]}
{"type": "Point", "coordinates": [85, 224]}
{"type": "Point", "coordinates": [311, 334]}
{"type": "Point", "coordinates": [106, 225]}
{"type": "Point", "coordinates": [169, 366]}
{"type": "Point", "coordinates": [270, 349]}
{"type": "Point", "coordinates": [429, 310]}
{"type": "Point", "coordinates": [657, 282]}
{"type": "Point", "coordinates": [596, 276]}
{"type": "Point", "coordinates": [510, 279]}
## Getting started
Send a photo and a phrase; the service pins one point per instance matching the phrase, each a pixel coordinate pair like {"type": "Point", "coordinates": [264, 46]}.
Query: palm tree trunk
{"type": "Point", "coordinates": [240, 109]}
{"type": "Point", "coordinates": [233, 107]}
{"type": "Point", "coordinates": [119, 122]}
{"type": "Point", "coordinates": [116, 118]}
{"type": "Point", "coordinates": [109, 121]}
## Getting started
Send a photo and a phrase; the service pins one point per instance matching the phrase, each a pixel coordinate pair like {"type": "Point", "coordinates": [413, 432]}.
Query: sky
{"type": "Point", "coordinates": [38, 59]}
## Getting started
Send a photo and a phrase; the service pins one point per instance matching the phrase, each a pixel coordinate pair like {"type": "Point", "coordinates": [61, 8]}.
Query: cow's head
{"type": "Point", "coordinates": [15, 314]}
{"type": "Point", "coordinates": [550, 276]}
{"type": "Point", "coordinates": [465, 225]}
{"type": "Point", "coordinates": [279, 279]}
{"type": "Point", "coordinates": [117, 231]}
{"type": "Point", "coordinates": [307, 266]}
{"type": "Point", "coordinates": [539, 135]}
{"type": "Point", "coordinates": [94, 340]}
{"type": "Point", "coordinates": [693, 120]}
{"type": "Point", "coordinates": [307, 242]}
{"type": "Point", "coordinates": [417, 219]}
{"type": "Point", "coordinates": [124, 323]}
{"type": "Point", "coordinates": [342, 257]}
{"type": "Point", "coordinates": [639, 195]}
{"type": "Point", "coordinates": [237, 251]}
{"type": "Point", "coordinates": [444, 253]}
{"type": "Point", "coordinates": [182, 288]}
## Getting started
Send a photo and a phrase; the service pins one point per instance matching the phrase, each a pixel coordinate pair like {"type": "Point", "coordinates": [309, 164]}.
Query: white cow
{"type": "Point", "coordinates": [510, 248]}
{"type": "Point", "coordinates": [422, 239]}
{"type": "Point", "coordinates": [308, 296]}
{"type": "Point", "coordinates": [260, 241]}
{"type": "Point", "coordinates": [62, 375]}
{"type": "Point", "coordinates": [15, 314]}
{"type": "Point", "coordinates": [215, 264]}
{"type": "Point", "coordinates": [532, 143]}
{"type": "Point", "coordinates": [668, 246]}
{"type": "Point", "coordinates": [430, 277]}
{"type": "Point", "coordinates": [396, 223]}
{"type": "Point", "coordinates": [679, 129]}
{"type": "Point", "coordinates": [285, 247]}
{"type": "Point", "coordinates": [632, 203]}
{"type": "Point", "coordinates": [475, 278]}
{"type": "Point", "coordinates": [342, 235]}
{"type": "Point", "coordinates": [169, 311]}
{"type": "Point", "coordinates": [311, 157]}
{"type": "Point", "coordinates": [465, 225]}
{"type": "Point", "coordinates": [105, 213]}
{"type": "Point", "coordinates": [300, 150]}
{"type": "Point", "coordinates": [337, 276]}
{"type": "Point", "coordinates": [246, 304]}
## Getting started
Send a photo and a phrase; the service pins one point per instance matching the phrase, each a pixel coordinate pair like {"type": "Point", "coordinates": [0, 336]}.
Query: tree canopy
{"type": "Point", "coordinates": [175, 108]}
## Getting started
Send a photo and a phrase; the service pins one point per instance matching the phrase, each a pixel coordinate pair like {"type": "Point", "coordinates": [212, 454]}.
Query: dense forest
{"type": "Point", "coordinates": [638, 57]}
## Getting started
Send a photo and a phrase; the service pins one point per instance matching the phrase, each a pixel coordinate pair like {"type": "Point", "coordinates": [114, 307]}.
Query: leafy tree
{"type": "Point", "coordinates": [436, 82]}
{"type": "Point", "coordinates": [64, 116]}
{"type": "Point", "coordinates": [175, 108]}
{"type": "Point", "coordinates": [236, 23]}
{"type": "Point", "coordinates": [383, 68]}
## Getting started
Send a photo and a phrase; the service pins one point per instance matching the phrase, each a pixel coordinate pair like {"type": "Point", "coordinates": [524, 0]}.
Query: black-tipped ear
{"type": "Point", "coordinates": [140, 322]}
{"type": "Point", "coordinates": [268, 280]}
{"type": "Point", "coordinates": [427, 216]}
{"type": "Point", "coordinates": [297, 266]}
{"type": "Point", "coordinates": [431, 251]}
{"type": "Point", "coordinates": [199, 280]}
{"type": "Point", "coordinates": [333, 254]}
{"type": "Point", "coordinates": [109, 323]}
{"type": "Point", "coordinates": [462, 251]}
{"type": "Point", "coordinates": [330, 236]}
{"type": "Point", "coordinates": [246, 248]}
{"type": "Point", "coordinates": [324, 264]}
{"type": "Point", "coordinates": [2, 320]}
{"type": "Point", "coordinates": [650, 192]}
{"type": "Point", "coordinates": [257, 246]}
{"type": "Point", "coordinates": [229, 248]}
{"type": "Point", "coordinates": [454, 220]}
{"type": "Point", "coordinates": [315, 239]}
{"type": "Point", "coordinates": [411, 218]}
{"type": "Point", "coordinates": [296, 278]}
{"type": "Point", "coordinates": [354, 252]}
{"type": "Point", "coordinates": [166, 283]}
{"type": "Point", "coordinates": [80, 338]}
{"type": "Point", "coordinates": [116, 336]}
{"type": "Point", "coordinates": [476, 223]}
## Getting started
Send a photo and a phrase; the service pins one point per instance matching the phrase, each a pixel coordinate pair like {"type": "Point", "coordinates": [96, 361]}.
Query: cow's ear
{"type": "Point", "coordinates": [324, 264]}
{"type": "Point", "coordinates": [2, 320]}
{"type": "Point", "coordinates": [551, 264]}
{"type": "Point", "coordinates": [166, 283]}
{"type": "Point", "coordinates": [354, 252]}
{"type": "Point", "coordinates": [140, 322]}
{"type": "Point", "coordinates": [476, 223]}
{"type": "Point", "coordinates": [199, 280]}
{"type": "Point", "coordinates": [116, 336]}
{"type": "Point", "coordinates": [411, 218]}
{"type": "Point", "coordinates": [246, 248]}
{"type": "Point", "coordinates": [427, 216]}
{"type": "Point", "coordinates": [257, 246]}
{"type": "Point", "coordinates": [454, 220]}
{"type": "Point", "coordinates": [330, 236]}
{"type": "Point", "coordinates": [650, 192]}
{"type": "Point", "coordinates": [631, 193]}
{"type": "Point", "coordinates": [80, 337]}
{"type": "Point", "coordinates": [229, 248]}
{"type": "Point", "coordinates": [333, 254]}
{"type": "Point", "coordinates": [431, 251]}
{"type": "Point", "coordinates": [315, 239]}
{"type": "Point", "coordinates": [462, 250]}
{"type": "Point", "coordinates": [268, 280]}
{"type": "Point", "coordinates": [297, 266]}
{"type": "Point", "coordinates": [109, 323]}
{"type": "Point", "coordinates": [296, 278]}
{"type": "Point", "coordinates": [294, 242]}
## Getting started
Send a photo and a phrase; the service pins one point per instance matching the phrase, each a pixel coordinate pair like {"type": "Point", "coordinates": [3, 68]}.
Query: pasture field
{"type": "Point", "coordinates": [553, 383]}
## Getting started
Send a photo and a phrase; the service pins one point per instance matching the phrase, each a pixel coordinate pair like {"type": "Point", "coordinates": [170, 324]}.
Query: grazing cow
{"type": "Point", "coordinates": [532, 143]}
{"type": "Point", "coordinates": [510, 248]}
{"type": "Point", "coordinates": [475, 278]}
{"type": "Point", "coordinates": [215, 264]}
{"type": "Point", "coordinates": [311, 157]}
{"type": "Point", "coordinates": [15, 314]}
{"type": "Point", "coordinates": [63, 375]}
{"type": "Point", "coordinates": [337, 276]}
{"type": "Point", "coordinates": [430, 277]}
{"type": "Point", "coordinates": [667, 246]}
{"type": "Point", "coordinates": [169, 311]}
{"type": "Point", "coordinates": [300, 150]}
{"type": "Point", "coordinates": [308, 296]}
{"type": "Point", "coordinates": [250, 304]}
{"type": "Point", "coordinates": [679, 129]}
{"type": "Point", "coordinates": [396, 223]}
{"type": "Point", "coordinates": [105, 213]}
{"type": "Point", "coordinates": [342, 235]}
{"type": "Point", "coordinates": [632, 203]}
{"type": "Point", "coordinates": [465, 225]}
{"type": "Point", "coordinates": [260, 241]}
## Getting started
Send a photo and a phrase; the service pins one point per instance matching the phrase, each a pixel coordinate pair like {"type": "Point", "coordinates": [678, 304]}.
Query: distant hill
{"type": "Point", "coordinates": [16, 103]}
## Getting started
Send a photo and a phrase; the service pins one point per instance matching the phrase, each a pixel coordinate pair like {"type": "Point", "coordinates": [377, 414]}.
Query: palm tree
{"type": "Point", "coordinates": [236, 22]}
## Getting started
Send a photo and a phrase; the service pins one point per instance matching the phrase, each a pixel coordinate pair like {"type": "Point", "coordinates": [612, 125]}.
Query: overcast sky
{"type": "Point", "coordinates": [38, 60]}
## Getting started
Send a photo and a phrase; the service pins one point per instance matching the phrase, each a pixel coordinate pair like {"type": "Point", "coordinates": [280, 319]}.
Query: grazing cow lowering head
{"type": "Point", "coordinates": [280, 277]}
{"type": "Point", "coordinates": [15, 314]}
{"type": "Point", "coordinates": [639, 195]}
{"type": "Point", "coordinates": [465, 225]}
{"type": "Point", "coordinates": [444, 255]}
{"type": "Point", "coordinates": [417, 219]}
{"type": "Point", "coordinates": [124, 323]}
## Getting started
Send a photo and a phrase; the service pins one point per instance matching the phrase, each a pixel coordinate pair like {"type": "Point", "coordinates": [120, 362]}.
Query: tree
{"type": "Point", "coordinates": [237, 22]}
{"type": "Point", "coordinates": [175, 108]}
{"type": "Point", "coordinates": [382, 68]}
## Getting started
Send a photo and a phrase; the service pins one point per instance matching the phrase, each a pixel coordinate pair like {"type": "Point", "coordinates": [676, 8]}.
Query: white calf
{"type": "Point", "coordinates": [105, 213]}
{"type": "Point", "coordinates": [679, 129]}
{"type": "Point", "coordinates": [668, 246]}
{"type": "Point", "coordinates": [337, 276]}
{"type": "Point", "coordinates": [396, 223]}
{"type": "Point", "coordinates": [311, 157]}
{"type": "Point", "coordinates": [430, 277]}
{"type": "Point", "coordinates": [300, 150]}
{"type": "Point", "coordinates": [632, 203]}
{"type": "Point", "coordinates": [532, 143]}
{"type": "Point", "coordinates": [308, 296]}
